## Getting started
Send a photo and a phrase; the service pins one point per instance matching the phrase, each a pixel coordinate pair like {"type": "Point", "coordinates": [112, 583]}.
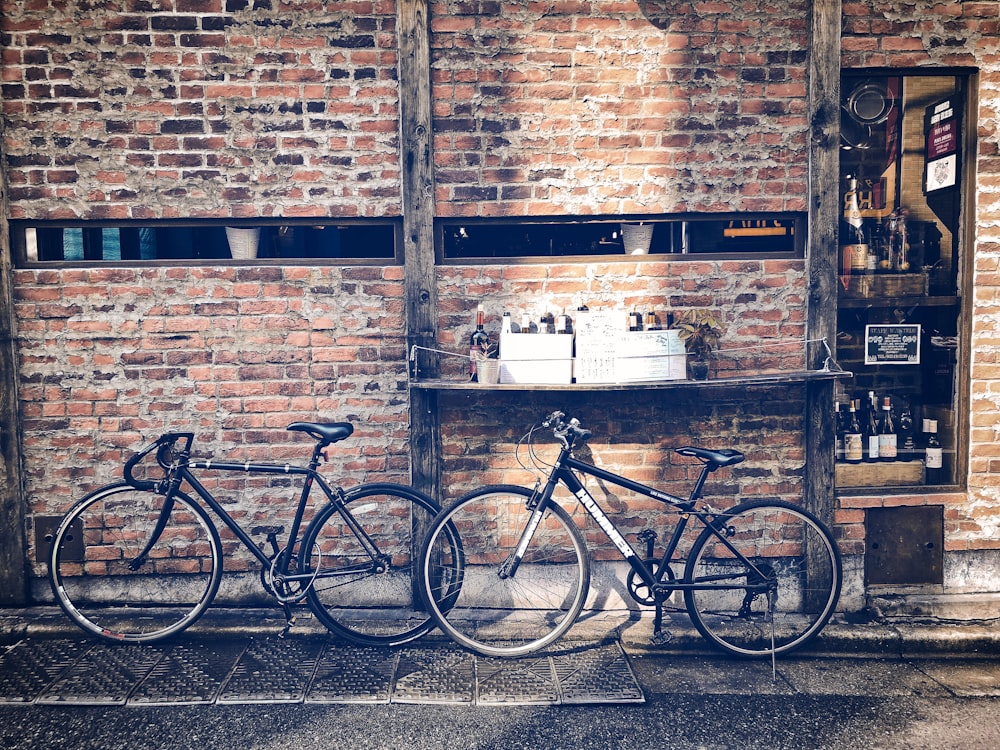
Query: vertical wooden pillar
{"type": "Point", "coordinates": [417, 158]}
{"type": "Point", "coordinates": [824, 212]}
{"type": "Point", "coordinates": [13, 552]}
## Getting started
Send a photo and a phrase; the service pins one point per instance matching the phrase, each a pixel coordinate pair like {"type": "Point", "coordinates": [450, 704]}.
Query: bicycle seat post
{"type": "Point", "coordinates": [699, 485]}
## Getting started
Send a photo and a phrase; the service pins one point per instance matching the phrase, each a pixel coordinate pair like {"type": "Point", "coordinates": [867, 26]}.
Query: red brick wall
{"type": "Point", "coordinates": [203, 108]}
{"type": "Point", "coordinates": [603, 107]}
{"type": "Point", "coordinates": [110, 358]}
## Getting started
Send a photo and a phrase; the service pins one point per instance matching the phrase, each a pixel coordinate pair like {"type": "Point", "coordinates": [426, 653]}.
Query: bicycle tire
{"type": "Point", "coordinates": [349, 595]}
{"type": "Point", "coordinates": [493, 614]}
{"type": "Point", "coordinates": [790, 548]}
{"type": "Point", "coordinates": [95, 585]}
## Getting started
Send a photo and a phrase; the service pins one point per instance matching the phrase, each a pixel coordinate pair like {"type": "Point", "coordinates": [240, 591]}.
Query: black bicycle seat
{"type": "Point", "coordinates": [718, 459]}
{"type": "Point", "coordinates": [328, 433]}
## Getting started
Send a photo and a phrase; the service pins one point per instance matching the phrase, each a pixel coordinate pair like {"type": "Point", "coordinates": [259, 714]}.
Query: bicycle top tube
{"type": "Point", "coordinates": [571, 434]}
{"type": "Point", "coordinates": [173, 451]}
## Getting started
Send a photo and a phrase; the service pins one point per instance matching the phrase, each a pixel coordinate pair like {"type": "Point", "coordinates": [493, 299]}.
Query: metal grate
{"type": "Point", "coordinates": [311, 669]}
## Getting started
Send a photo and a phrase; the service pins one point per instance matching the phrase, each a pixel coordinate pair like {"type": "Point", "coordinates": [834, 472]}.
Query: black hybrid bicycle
{"type": "Point", "coordinates": [139, 561]}
{"type": "Point", "coordinates": [759, 579]}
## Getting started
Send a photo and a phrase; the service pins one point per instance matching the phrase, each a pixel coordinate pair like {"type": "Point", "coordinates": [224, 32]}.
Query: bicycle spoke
{"type": "Point", "coordinates": [123, 572]}
{"type": "Point", "coordinates": [790, 572]}
{"type": "Point", "coordinates": [503, 609]}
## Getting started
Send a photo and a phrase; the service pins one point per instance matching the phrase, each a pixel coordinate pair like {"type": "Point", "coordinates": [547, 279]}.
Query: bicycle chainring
{"type": "Point", "coordinates": [639, 591]}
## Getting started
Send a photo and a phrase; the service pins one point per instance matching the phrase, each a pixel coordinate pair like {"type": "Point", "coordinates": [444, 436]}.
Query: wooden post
{"type": "Point", "coordinates": [824, 212]}
{"type": "Point", "coordinates": [13, 551]}
{"type": "Point", "coordinates": [417, 157]}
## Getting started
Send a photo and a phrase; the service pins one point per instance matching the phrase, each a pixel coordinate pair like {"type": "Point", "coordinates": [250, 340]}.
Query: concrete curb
{"type": "Point", "coordinates": [891, 637]}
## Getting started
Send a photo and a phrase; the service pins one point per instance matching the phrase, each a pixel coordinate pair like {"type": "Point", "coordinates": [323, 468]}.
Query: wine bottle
{"type": "Point", "coordinates": [907, 444]}
{"type": "Point", "coordinates": [853, 446]}
{"type": "Point", "coordinates": [887, 438]}
{"type": "Point", "coordinates": [869, 429]}
{"type": "Point", "coordinates": [839, 432]}
{"type": "Point", "coordinates": [479, 343]}
{"type": "Point", "coordinates": [934, 456]}
{"type": "Point", "coordinates": [506, 325]}
{"type": "Point", "coordinates": [853, 243]}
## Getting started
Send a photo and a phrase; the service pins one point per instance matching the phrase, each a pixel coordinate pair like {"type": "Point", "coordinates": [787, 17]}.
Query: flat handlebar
{"type": "Point", "coordinates": [569, 433]}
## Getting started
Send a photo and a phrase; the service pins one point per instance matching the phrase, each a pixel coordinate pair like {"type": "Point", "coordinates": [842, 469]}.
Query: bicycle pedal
{"type": "Point", "coordinates": [662, 638]}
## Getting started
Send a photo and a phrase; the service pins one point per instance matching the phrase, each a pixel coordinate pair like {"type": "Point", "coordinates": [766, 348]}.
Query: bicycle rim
{"type": "Point", "coordinates": [365, 597]}
{"type": "Point", "coordinates": [780, 602]}
{"type": "Point", "coordinates": [497, 613]}
{"type": "Point", "coordinates": [98, 544]}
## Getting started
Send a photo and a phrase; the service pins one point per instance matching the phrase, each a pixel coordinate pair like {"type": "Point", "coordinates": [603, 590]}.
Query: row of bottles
{"type": "Point", "coordinates": [869, 431]}
{"type": "Point", "coordinates": [875, 247]}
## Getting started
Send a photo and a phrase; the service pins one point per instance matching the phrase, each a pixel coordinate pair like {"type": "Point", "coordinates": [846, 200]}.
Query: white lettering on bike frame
{"type": "Point", "coordinates": [605, 523]}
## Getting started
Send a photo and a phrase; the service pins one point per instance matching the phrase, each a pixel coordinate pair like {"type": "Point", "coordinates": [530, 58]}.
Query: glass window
{"type": "Point", "coordinates": [900, 303]}
{"type": "Point", "coordinates": [92, 243]}
{"type": "Point", "coordinates": [772, 234]}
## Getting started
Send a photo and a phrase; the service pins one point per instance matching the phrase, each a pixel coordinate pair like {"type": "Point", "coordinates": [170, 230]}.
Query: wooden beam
{"type": "Point", "coordinates": [824, 213]}
{"type": "Point", "coordinates": [417, 158]}
{"type": "Point", "coordinates": [13, 549]}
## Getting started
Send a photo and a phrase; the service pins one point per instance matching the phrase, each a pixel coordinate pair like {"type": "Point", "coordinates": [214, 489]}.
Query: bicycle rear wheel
{"type": "Point", "coordinates": [498, 611]}
{"type": "Point", "coordinates": [121, 581]}
{"type": "Point", "coordinates": [783, 598]}
{"type": "Point", "coordinates": [369, 596]}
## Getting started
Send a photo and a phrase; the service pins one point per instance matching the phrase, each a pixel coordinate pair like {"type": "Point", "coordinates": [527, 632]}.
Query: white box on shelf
{"type": "Point", "coordinates": [536, 358]}
{"type": "Point", "coordinates": [612, 356]}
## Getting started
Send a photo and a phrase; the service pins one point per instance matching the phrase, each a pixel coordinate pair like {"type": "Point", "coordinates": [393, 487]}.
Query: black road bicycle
{"type": "Point", "coordinates": [139, 561]}
{"type": "Point", "coordinates": [760, 579]}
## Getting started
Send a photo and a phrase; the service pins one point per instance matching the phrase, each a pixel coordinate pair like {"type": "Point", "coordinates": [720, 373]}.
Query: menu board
{"type": "Point", "coordinates": [941, 123]}
{"type": "Point", "coordinates": [892, 345]}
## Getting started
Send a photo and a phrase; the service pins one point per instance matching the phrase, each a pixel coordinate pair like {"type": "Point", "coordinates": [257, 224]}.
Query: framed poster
{"type": "Point", "coordinates": [892, 344]}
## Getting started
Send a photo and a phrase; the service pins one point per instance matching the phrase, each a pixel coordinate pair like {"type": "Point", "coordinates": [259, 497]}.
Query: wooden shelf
{"type": "Point", "coordinates": [763, 380]}
{"type": "Point", "coordinates": [915, 301]}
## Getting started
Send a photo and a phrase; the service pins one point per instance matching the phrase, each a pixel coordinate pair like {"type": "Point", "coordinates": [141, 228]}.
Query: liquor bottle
{"type": "Point", "coordinates": [888, 440]}
{"type": "Point", "coordinates": [525, 323]}
{"type": "Point", "coordinates": [547, 323]}
{"type": "Point", "coordinates": [479, 343]}
{"type": "Point", "coordinates": [506, 325]}
{"type": "Point", "coordinates": [934, 457]}
{"type": "Point", "coordinates": [652, 324]}
{"type": "Point", "coordinates": [853, 446]}
{"type": "Point", "coordinates": [907, 443]}
{"type": "Point", "coordinates": [853, 243]}
{"type": "Point", "coordinates": [869, 429]}
{"type": "Point", "coordinates": [635, 321]}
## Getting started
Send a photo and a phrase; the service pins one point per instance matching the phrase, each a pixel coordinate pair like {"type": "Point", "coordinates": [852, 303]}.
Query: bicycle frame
{"type": "Point", "coordinates": [180, 470]}
{"type": "Point", "coordinates": [566, 464]}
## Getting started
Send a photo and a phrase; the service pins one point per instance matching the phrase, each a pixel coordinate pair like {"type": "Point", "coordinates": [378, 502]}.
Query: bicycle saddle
{"type": "Point", "coordinates": [718, 459]}
{"type": "Point", "coordinates": [328, 433]}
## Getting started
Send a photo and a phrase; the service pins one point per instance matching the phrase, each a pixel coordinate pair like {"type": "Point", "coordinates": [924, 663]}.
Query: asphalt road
{"type": "Point", "coordinates": [691, 702]}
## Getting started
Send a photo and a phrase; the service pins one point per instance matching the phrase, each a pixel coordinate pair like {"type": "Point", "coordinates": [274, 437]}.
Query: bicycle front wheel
{"type": "Point", "coordinates": [771, 574]}
{"type": "Point", "coordinates": [499, 607]}
{"type": "Point", "coordinates": [363, 553]}
{"type": "Point", "coordinates": [126, 568]}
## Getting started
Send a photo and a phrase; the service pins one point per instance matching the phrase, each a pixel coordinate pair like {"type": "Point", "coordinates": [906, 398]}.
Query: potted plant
{"type": "Point", "coordinates": [700, 331]}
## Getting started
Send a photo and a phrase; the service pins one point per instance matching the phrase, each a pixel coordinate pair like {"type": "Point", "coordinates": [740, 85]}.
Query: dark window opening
{"type": "Point", "coordinates": [780, 234]}
{"type": "Point", "coordinates": [87, 243]}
